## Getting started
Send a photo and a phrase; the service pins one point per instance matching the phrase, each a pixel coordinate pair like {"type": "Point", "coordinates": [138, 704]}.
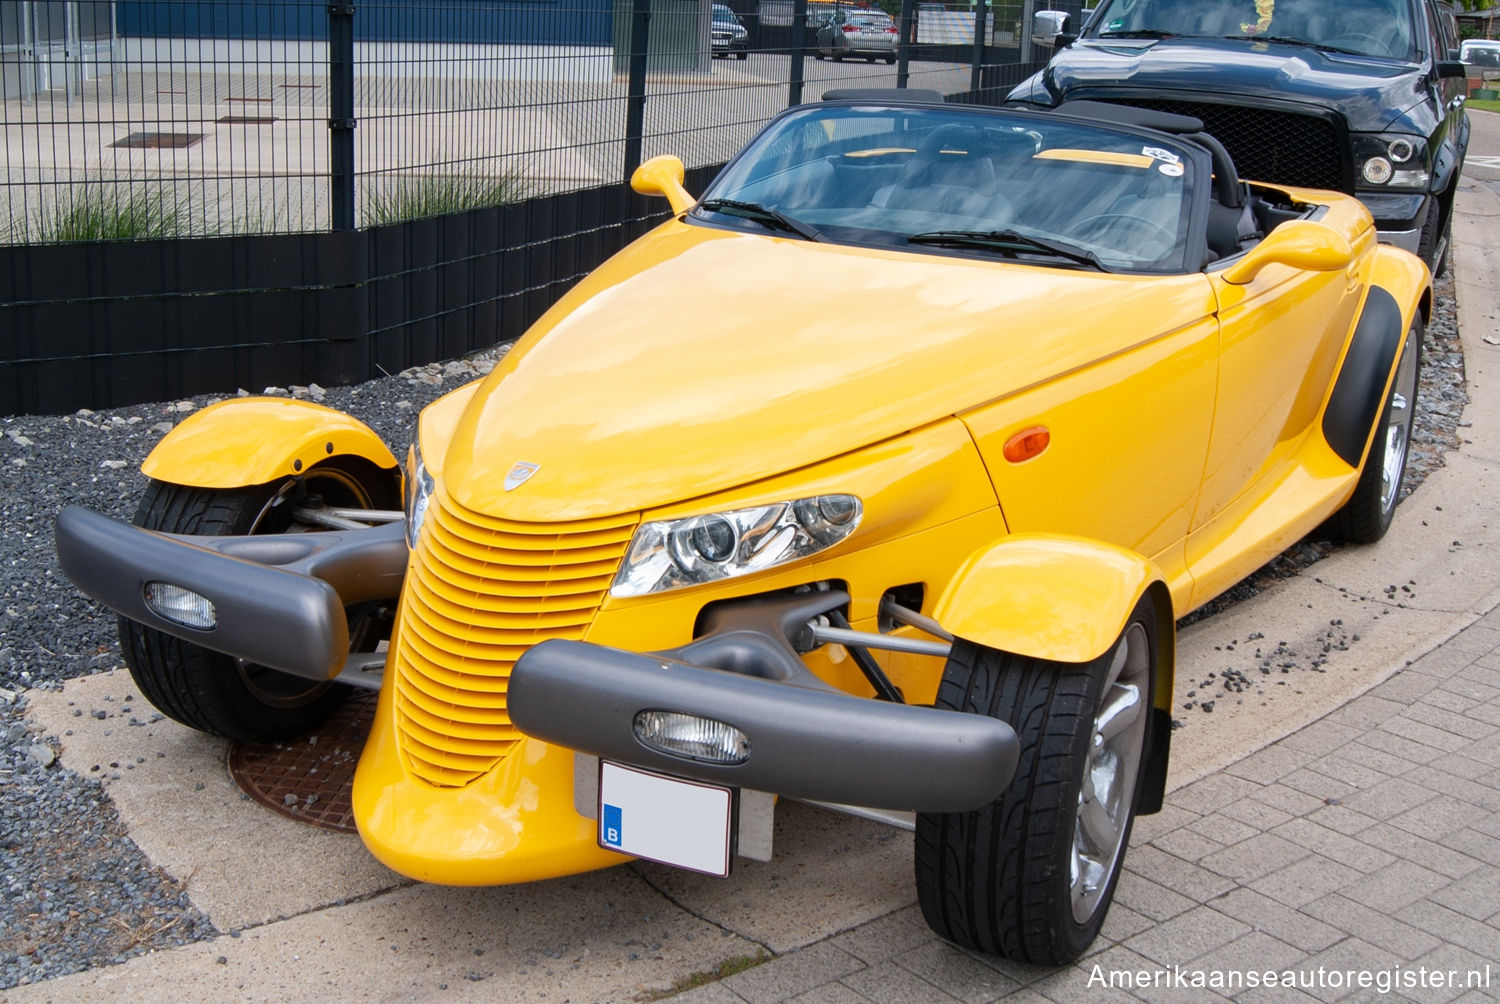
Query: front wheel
{"type": "Point", "coordinates": [1367, 515]}
{"type": "Point", "coordinates": [1030, 876]}
{"type": "Point", "coordinates": [217, 693]}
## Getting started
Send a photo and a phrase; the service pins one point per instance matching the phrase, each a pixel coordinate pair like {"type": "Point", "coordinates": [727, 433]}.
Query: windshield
{"type": "Point", "coordinates": [1363, 27]}
{"type": "Point", "coordinates": [944, 179]}
{"type": "Point", "coordinates": [725, 15]}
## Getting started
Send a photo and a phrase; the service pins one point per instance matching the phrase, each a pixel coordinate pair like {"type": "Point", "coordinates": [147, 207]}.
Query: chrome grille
{"type": "Point", "coordinates": [480, 592]}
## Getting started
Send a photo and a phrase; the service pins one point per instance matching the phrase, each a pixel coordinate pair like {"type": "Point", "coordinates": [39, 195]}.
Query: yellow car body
{"type": "Point", "coordinates": [1040, 451]}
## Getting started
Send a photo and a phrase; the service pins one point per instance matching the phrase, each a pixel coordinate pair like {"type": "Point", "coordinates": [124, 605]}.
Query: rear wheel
{"type": "Point", "coordinates": [1031, 875]}
{"type": "Point", "coordinates": [217, 693]}
{"type": "Point", "coordinates": [1367, 515]}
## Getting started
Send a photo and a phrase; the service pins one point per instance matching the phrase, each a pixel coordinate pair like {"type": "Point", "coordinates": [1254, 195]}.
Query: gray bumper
{"type": "Point", "coordinates": [806, 741]}
{"type": "Point", "coordinates": [279, 598]}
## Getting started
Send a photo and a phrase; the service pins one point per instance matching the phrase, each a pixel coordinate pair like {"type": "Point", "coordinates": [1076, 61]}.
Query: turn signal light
{"type": "Point", "coordinates": [1027, 443]}
{"type": "Point", "coordinates": [181, 606]}
{"type": "Point", "coordinates": [692, 736]}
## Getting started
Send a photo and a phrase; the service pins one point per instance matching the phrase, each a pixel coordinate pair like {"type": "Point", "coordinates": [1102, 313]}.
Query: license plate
{"type": "Point", "coordinates": [677, 822]}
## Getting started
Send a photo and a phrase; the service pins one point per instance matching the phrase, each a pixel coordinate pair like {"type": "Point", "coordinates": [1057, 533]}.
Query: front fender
{"type": "Point", "coordinates": [1060, 598]}
{"type": "Point", "coordinates": [255, 440]}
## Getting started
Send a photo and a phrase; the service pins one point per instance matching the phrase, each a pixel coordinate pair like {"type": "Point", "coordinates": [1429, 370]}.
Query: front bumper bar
{"type": "Point", "coordinates": [807, 739]}
{"type": "Point", "coordinates": [279, 598]}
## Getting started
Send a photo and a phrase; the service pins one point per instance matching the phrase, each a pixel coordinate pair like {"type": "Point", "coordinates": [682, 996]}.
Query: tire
{"type": "Point", "coordinates": [1030, 876]}
{"type": "Point", "coordinates": [742, 54]}
{"type": "Point", "coordinates": [1366, 516]}
{"type": "Point", "coordinates": [216, 693]}
{"type": "Point", "coordinates": [1436, 237]}
{"type": "Point", "coordinates": [890, 60]}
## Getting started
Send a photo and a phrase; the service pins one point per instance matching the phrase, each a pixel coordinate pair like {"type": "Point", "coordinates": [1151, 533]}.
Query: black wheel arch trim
{"type": "Point", "coordinates": [1359, 391]}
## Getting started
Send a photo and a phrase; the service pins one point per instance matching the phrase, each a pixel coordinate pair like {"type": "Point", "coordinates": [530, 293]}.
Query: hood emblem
{"type": "Point", "coordinates": [519, 475]}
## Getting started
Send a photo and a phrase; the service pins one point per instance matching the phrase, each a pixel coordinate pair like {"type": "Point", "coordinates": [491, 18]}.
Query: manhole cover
{"type": "Point", "coordinates": [158, 140]}
{"type": "Point", "coordinates": [308, 779]}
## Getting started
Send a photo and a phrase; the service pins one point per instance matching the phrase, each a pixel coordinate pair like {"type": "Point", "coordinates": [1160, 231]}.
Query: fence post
{"type": "Point", "coordinates": [341, 113]}
{"type": "Point", "coordinates": [981, 14]}
{"type": "Point", "coordinates": [905, 41]}
{"type": "Point", "coordinates": [798, 53]}
{"type": "Point", "coordinates": [635, 108]}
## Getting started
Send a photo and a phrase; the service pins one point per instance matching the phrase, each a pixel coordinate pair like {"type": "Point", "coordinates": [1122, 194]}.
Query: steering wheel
{"type": "Point", "coordinates": [1139, 222]}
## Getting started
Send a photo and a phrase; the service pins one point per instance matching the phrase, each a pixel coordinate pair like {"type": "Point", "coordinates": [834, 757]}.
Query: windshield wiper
{"type": "Point", "coordinates": [1009, 240]}
{"type": "Point", "coordinates": [772, 218]}
{"type": "Point", "coordinates": [1139, 33]}
{"type": "Point", "coordinates": [1290, 40]}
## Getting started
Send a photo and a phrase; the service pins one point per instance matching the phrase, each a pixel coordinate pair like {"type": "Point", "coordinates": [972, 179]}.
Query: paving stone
{"type": "Point", "coordinates": [1471, 790]}
{"type": "Point", "coordinates": [1321, 786]}
{"type": "Point", "coordinates": [1374, 925]}
{"type": "Point", "coordinates": [1270, 764]}
{"type": "Point", "coordinates": [1222, 829]}
{"type": "Point", "coordinates": [1253, 812]}
{"type": "Point", "coordinates": [1367, 712]}
{"type": "Point", "coordinates": [1305, 880]}
{"type": "Point", "coordinates": [1405, 844]}
{"type": "Point", "coordinates": [1146, 897]}
{"type": "Point", "coordinates": [1274, 995]}
{"type": "Point", "coordinates": [1322, 737]}
{"type": "Point", "coordinates": [793, 973]}
{"type": "Point", "coordinates": [1454, 928]}
{"type": "Point", "coordinates": [1476, 896]}
{"type": "Point", "coordinates": [1121, 922]}
{"type": "Point", "coordinates": [1383, 760]}
{"type": "Point", "coordinates": [1342, 819]}
{"type": "Point", "coordinates": [889, 983]}
{"type": "Point", "coordinates": [1260, 855]}
{"type": "Point", "coordinates": [1463, 972]}
{"type": "Point", "coordinates": [1387, 799]}
{"type": "Point", "coordinates": [1437, 739]}
{"type": "Point", "coordinates": [1213, 792]}
{"type": "Point", "coordinates": [1262, 913]}
{"type": "Point", "coordinates": [1486, 750]}
{"type": "Point", "coordinates": [1473, 844]}
{"type": "Point", "coordinates": [1176, 874]}
{"type": "Point", "coordinates": [1454, 723]}
{"type": "Point", "coordinates": [1472, 689]}
{"type": "Point", "coordinates": [1334, 966]}
{"type": "Point", "coordinates": [1487, 713]}
{"type": "Point", "coordinates": [1171, 817]}
{"type": "Point", "coordinates": [1186, 843]}
{"type": "Point", "coordinates": [956, 973]}
{"type": "Point", "coordinates": [1188, 936]}
{"type": "Point", "coordinates": [1107, 977]}
{"type": "Point", "coordinates": [1437, 816]}
{"type": "Point", "coordinates": [1396, 885]}
{"type": "Point", "coordinates": [1406, 687]}
{"type": "Point", "coordinates": [1396, 746]}
{"type": "Point", "coordinates": [1359, 773]}
{"type": "Point", "coordinates": [1253, 951]}
{"type": "Point", "coordinates": [828, 993]}
{"type": "Point", "coordinates": [1293, 803]}
{"type": "Point", "coordinates": [712, 993]}
{"type": "Point", "coordinates": [1330, 843]}
{"type": "Point", "coordinates": [885, 936]}
{"type": "Point", "coordinates": [1442, 697]}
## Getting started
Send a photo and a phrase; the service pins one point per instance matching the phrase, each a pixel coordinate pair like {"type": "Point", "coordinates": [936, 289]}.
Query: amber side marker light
{"type": "Point", "coordinates": [1027, 443]}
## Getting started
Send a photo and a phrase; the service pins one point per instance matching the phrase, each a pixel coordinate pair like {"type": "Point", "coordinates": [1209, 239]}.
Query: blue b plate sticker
{"type": "Point", "coordinates": [675, 821]}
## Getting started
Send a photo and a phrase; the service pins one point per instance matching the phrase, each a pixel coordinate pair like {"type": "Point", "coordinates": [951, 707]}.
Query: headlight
{"type": "Point", "coordinates": [1391, 161]}
{"type": "Point", "coordinates": [419, 487]}
{"type": "Point", "coordinates": [666, 554]}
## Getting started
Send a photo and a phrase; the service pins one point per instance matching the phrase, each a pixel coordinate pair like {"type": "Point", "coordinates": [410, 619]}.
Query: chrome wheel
{"type": "Point", "coordinates": [1110, 770]}
{"type": "Point", "coordinates": [1398, 424]}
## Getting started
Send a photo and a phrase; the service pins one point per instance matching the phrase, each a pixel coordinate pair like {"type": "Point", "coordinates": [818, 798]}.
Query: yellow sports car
{"type": "Point", "coordinates": [905, 532]}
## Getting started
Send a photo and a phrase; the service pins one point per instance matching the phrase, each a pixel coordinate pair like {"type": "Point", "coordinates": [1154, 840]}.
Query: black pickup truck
{"type": "Point", "coordinates": [1364, 97]}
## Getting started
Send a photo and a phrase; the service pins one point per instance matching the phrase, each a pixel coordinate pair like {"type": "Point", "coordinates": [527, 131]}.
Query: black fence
{"type": "Point", "coordinates": [207, 196]}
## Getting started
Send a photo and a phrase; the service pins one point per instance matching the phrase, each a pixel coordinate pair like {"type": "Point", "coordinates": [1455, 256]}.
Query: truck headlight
{"type": "Point", "coordinates": [667, 554]}
{"type": "Point", "coordinates": [1391, 160]}
{"type": "Point", "coordinates": [419, 488]}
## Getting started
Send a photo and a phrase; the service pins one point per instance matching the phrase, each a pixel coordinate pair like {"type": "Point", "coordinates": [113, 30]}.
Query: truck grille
{"type": "Point", "coordinates": [1281, 148]}
{"type": "Point", "coordinates": [480, 592]}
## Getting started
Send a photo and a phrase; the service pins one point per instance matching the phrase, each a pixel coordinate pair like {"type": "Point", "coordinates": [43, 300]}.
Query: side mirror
{"type": "Point", "coordinates": [1063, 40]}
{"type": "Point", "coordinates": [663, 176]}
{"type": "Point", "coordinates": [1301, 244]}
{"type": "Point", "coordinates": [1449, 69]}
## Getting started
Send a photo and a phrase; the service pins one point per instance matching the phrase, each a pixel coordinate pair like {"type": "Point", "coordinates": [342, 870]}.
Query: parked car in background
{"type": "Point", "coordinates": [918, 558]}
{"type": "Point", "coordinates": [1364, 97]}
{"type": "Point", "coordinates": [867, 33]}
{"type": "Point", "coordinates": [728, 35]}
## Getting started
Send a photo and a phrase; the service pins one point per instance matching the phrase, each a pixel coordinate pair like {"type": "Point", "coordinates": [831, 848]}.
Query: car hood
{"type": "Point", "coordinates": [1373, 93]}
{"type": "Point", "coordinates": [698, 360]}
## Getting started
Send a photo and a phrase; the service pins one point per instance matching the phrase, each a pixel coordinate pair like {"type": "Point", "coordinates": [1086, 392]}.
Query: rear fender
{"type": "Point", "coordinates": [1067, 599]}
{"type": "Point", "coordinates": [256, 440]}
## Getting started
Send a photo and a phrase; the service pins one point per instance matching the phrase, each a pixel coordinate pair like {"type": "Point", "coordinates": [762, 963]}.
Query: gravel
{"type": "Point", "coordinates": [78, 892]}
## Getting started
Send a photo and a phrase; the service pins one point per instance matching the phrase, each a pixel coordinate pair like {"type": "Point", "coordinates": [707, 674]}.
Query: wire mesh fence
{"type": "Point", "coordinates": [188, 118]}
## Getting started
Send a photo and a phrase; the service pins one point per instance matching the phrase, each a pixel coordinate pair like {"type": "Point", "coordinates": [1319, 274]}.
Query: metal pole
{"type": "Point", "coordinates": [341, 113]}
{"type": "Point", "coordinates": [1028, 12]}
{"type": "Point", "coordinates": [981, 8]}
{"type": "Point", "coordinates": [799, 53]}
{"type": "Point", "coordinates": [905, 41]}
{"type": "Point", "coordinates": [635, 108]}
